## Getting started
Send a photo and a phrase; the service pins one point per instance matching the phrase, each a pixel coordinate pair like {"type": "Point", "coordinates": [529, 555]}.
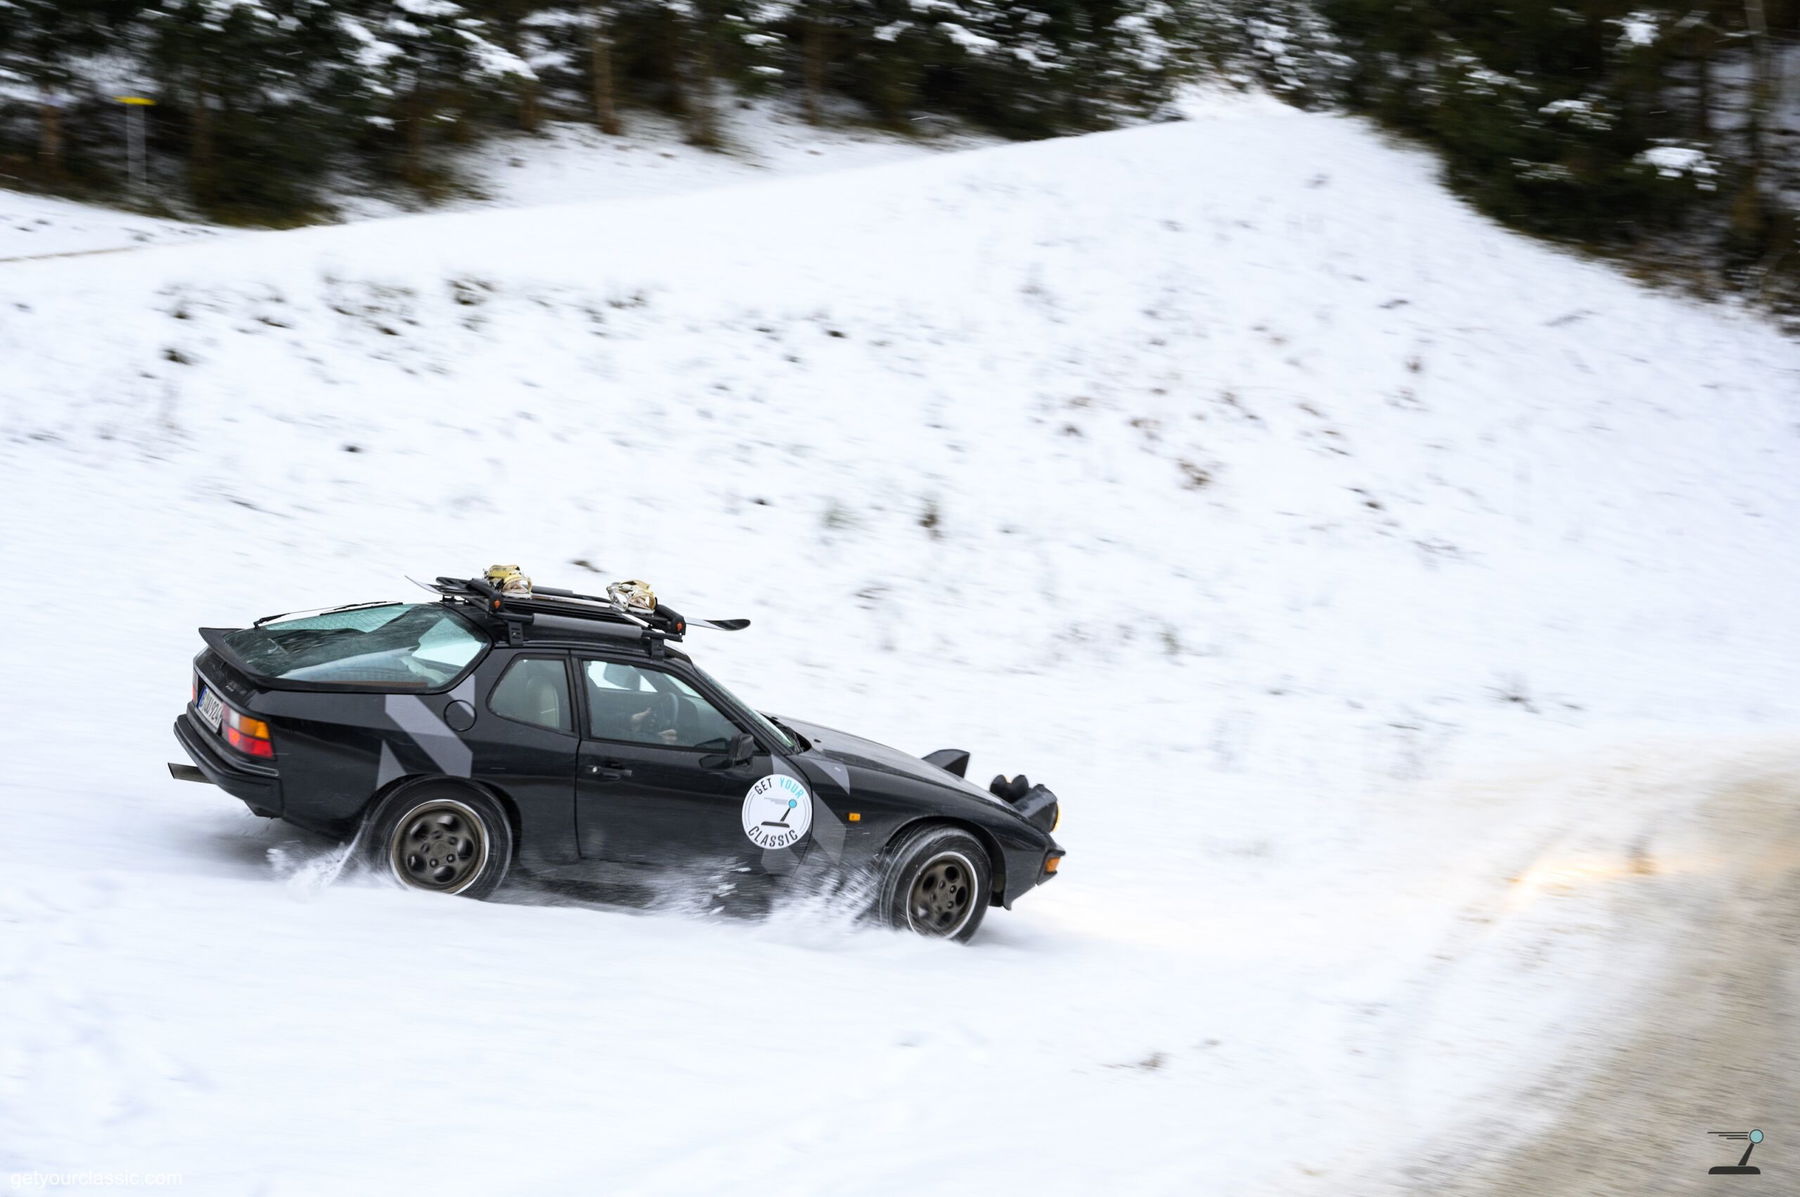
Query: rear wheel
{"type": "Point", "coordinates": [936, 883]}
{"type": "Point", "coordinates": [442, 838]}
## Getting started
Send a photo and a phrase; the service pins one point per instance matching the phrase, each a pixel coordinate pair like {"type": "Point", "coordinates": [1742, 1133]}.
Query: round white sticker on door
{"type": "Point", "coordinates": [777, 811]}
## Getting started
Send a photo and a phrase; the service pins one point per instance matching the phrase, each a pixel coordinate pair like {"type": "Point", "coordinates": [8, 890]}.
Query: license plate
{"type": "Point", "coordinates": [211, 707]}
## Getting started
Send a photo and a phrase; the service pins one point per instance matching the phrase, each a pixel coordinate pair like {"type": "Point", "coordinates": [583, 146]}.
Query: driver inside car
{"type": "Point", "coordinates": [655, 724]}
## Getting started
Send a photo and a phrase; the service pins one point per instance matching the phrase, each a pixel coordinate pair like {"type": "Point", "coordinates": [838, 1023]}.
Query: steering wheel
{"type": "Point", "coordinates": [661, 718]}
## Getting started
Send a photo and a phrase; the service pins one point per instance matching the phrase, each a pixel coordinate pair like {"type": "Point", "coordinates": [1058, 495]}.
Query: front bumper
{"type": "Point", "coordinates": [257, 787]}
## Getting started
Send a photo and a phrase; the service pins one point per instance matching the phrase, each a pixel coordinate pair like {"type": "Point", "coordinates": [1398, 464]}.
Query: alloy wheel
{"type": "Point", "coordinates": [441, 846]}
{"type": "Point", "coordinates": [942, 895]}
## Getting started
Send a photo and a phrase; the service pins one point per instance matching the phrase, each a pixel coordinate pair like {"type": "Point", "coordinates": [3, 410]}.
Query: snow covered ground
{"type": "Point", "coordinates": [1399, 607]}
{"type": "Point", "coordinates": [567, 161]}
{"type": "Point", "coordinates": [563, 162]}
{"type": "Point", "coordinates": [42, 226]}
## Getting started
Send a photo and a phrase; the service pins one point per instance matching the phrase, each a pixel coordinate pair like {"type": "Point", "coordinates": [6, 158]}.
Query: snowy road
{"type": "Point", "coordinates": [1709, 1038]}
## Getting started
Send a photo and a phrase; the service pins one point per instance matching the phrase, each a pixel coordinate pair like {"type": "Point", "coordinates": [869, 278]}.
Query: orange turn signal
{"type": "Point", "coordinates": [244, 725]}
{"type": "Point", "coordinates": [1050, 863]}
{"type": "Point", "coordinates": [854, 817]}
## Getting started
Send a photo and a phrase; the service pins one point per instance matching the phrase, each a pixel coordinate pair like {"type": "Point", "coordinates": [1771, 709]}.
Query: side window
{"type": "Point", "coordinates": [535, 690]}
{"type": "Point", "coordinates": [648, 706]}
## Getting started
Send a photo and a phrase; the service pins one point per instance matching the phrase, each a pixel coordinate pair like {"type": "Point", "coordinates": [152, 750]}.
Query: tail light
{"type": "Point", "coordinates": [249, 736]}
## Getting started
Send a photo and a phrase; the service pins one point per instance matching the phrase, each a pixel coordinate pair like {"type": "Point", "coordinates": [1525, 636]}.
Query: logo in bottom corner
{"type": "Point", "coordinates": [777, 811]}
{"type": "Point", "coordinates": [1743, 1167]}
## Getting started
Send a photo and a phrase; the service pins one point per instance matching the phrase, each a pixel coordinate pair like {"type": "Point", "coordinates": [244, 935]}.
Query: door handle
{"type": "Point", "coordinates": [608, 770]}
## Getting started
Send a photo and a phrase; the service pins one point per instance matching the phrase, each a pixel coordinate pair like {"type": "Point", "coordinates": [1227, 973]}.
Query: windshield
{"type": "Point", "coordinates": [763, 723]}
{"type": "Point", "coordinates": [410, 645]}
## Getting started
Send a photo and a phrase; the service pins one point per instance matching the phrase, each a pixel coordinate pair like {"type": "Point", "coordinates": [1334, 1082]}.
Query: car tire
{"type": "Point", "coordinates": [443, 838]}
{"type": "Point", "coordinates": [936, 883]}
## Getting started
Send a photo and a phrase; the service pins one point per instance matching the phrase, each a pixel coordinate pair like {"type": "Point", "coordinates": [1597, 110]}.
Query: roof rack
{"type": "Point", "coordinates": [517, 608]}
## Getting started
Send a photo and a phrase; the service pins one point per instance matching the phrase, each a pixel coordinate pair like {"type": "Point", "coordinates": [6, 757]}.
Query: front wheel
{"type": "Point", "coordinates": [442, 838]}
{"type": "Point", "coordinates": [936, 883]}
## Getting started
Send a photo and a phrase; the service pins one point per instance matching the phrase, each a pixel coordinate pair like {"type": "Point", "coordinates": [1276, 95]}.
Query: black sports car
{"type": "Point", "coordinates": [507, 727]}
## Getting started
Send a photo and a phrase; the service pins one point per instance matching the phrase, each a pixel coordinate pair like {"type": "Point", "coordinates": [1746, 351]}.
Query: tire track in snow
{"type": "Point", "coordinates": [74, 253]}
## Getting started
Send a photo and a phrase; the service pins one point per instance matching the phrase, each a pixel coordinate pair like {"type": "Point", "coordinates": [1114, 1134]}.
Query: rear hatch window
{"type": "Point", "coordinates": [403, 645]}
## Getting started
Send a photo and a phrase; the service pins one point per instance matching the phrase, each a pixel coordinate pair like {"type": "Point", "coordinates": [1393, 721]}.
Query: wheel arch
{"type": "Point", "coordinates": [413, 780]}
{"type": "Point", "coordinates": [996, 858]}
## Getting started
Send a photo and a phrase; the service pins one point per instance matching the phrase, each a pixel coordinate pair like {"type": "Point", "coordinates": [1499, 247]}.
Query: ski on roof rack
{"type": "Point", "coordinates": [506, 594]}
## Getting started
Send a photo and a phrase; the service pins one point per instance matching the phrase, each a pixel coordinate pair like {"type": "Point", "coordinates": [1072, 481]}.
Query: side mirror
{"type": "Point", "coordinates": [738, 752]}
{"type": "Point", "coordinates": [743, 747]}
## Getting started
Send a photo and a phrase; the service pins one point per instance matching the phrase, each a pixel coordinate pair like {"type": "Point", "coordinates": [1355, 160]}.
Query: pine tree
{"type": "Point", "coordinates": [509, 21]}
{"type": "Point", "coordinates": [569, 48]}
{"type": "Point", "coordinates": [252, 89]}
{"type": "Point", "coordinates": [46, 43]}
{"type": "Point", "coordinates": [415, 64]}
{"type": "Point", "coordinates": [1644, 127]}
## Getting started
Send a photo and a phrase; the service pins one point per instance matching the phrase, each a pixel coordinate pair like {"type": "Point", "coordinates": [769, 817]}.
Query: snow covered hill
{"type": "Point", "coordinates": [1335, 554]}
